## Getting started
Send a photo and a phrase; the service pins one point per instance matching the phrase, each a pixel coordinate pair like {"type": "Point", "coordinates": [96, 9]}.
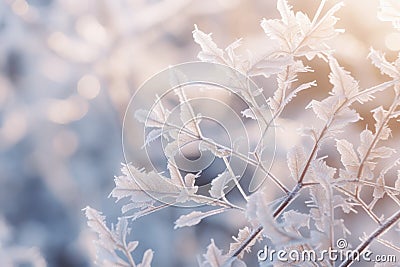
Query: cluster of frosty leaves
{"type": "Point", "coordinates": [180, 133]}
{"type": "Point", "coordinates": [196, 117]}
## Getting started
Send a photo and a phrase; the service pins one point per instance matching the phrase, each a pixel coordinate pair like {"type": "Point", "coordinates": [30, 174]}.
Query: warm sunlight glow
{"type": "Point", "coordinates": [20, 7]}
{"type": "Point", "coordinates": [67, 110]}
{"type": "Point", "coordinates": [88, 86]}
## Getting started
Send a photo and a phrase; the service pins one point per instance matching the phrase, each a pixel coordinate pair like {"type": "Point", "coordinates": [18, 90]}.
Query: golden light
{"type": "Point", "coordinates": [14, 128]}
{"type": "Point", "coordinates": [20, 7]}
{"type": "Point", "coordinates": [71, 48]}
{"type": "Point", "coordinates": [67, 110]}
{"type": "Point", "coordinates": [90, 29]}
{"type": "Point", "coordinates": [88, 86]}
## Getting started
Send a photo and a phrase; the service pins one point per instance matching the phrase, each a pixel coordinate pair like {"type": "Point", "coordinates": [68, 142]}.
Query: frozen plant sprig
{"type": "Point", "coordinates": [294, 39]}
{"type": "Point", "coordinates": [111, 240]}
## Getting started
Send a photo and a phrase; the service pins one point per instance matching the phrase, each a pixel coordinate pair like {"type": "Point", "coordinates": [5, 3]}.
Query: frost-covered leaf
{"type": "Point", "coordinates": [147, 258]}
{"type": "Point", "coordinates": [319, 212]}
{"type": "Point", "coordinates": [190, 180]}
{"type": "Point", "coordinates": [156, 117]}
{"type": "Point", "coordinates": [298, 35]}
{"type": "Point", "coordinates": [366, 138]}
{"type": "Point", "coordinates": [230, 50]}
{"type": "Point", "coordinates": [379, 115]}
{"type": "Point", "coordinates": [251, 208]}
{"type": "Point", "coordinates": [296, 158]}
{"type": "Point", "coordinates": [286, 12]}
{"type": "Point", "coordinates": [269, 64]}
{"type": "Point", "coordinates": [344, 117]}
{"type": "Point", "coordinates": [273, 230]}
{"type": "Point", "coordinates": [347, 153]}
{"type": "Point", "coordinates": [144, 188]}
{"type": "Point", "coordinates": [343, 83]}
{"type": "Point", "coordinates": [316, 34]}
{"type": "Point", "coordinates": [172, 149]}
{"type": "Point", "coordinates": [276, 30]}
{"type": "Point", "coordinates": [111, 240]}
{"type": "Point", "coordinates": [144, 211]}
{"type": "Point", "coordinates": [238, 62]}
{"type": "Point", "coordinates": [174, 172]}
{"type": "Point", "coordinates": [248, 113]}
{"type": "Point", "coordinates": [297, 90]}
{"type": "Point", "coordinates": [189, 190]}
{"type": "Point", "coordinates": [382, 152]}
{"type": "Point", "coordinates": [96, 221]}
{"type": "Point", "coordinates": [324, 109]}
{"type": "Point", "coordinates": [152, 136]}
{"type": "Point", "coordinates": [121, 231]}
{"type": "Point", "coordinates": [132, 246]}
{"type": "Point", "coordinates": [195, 217]}
{"type": "Point", "coordinates": [243, 235]}
{"type": "Point", "coordinates": [188, 117]}
{"type": "Point", "coordinates": [341, 202]}
{"type": "Point", "coordinates": [333, 109]}
{"type": "Point", "coordinates": [330, 110]}
{"type": "Point", "coordinates": [214, 256]}
{"type": "Point", "coordinates": [219, 183]}
{"type": "Point", "coordinates": [283, 95]}
{"type": "Point", "coordinates": [284, 30]}
{"type": "Point", "coordinates": [149, 118]}
{"type": "Point", "coordinates": [368, 171]}
{"type": "Point", "coordinates": [378, 59]}
{"type": "Point", "coordinates": [295, 220]}
{"type": "Point", "coordinates": [323, 173]}
{"type": "Point", "coordinates": [379, 189]}
{"type": "Point", "coordinates": [322, 196]}
{"type": "Point", "coordinates": [210, 51]}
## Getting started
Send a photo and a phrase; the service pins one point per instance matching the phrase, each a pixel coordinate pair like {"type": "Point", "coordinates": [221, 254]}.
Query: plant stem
{"type": "Point", "coordinates": [277, 212]}
{"type": "Point", "coordinates": [256, 163]}
{"type": "Point", "coordinates": [228, 166]}
{"type": "Point", "coordinates": [377, 233]}
{"type": "Point", "coordinates": [374, 142]}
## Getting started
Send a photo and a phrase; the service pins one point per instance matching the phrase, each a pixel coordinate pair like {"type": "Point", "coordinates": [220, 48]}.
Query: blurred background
{"type": "Point", "coordinates": [67, 71]}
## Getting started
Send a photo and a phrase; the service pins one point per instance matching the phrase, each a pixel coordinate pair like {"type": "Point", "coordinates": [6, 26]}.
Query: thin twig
{"type": "Point", "coordinates": [228, 166]}
{"type": "Point", "coordinates": [376, 234]}
{"type": "Point", "coordinates": [375, 141]}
